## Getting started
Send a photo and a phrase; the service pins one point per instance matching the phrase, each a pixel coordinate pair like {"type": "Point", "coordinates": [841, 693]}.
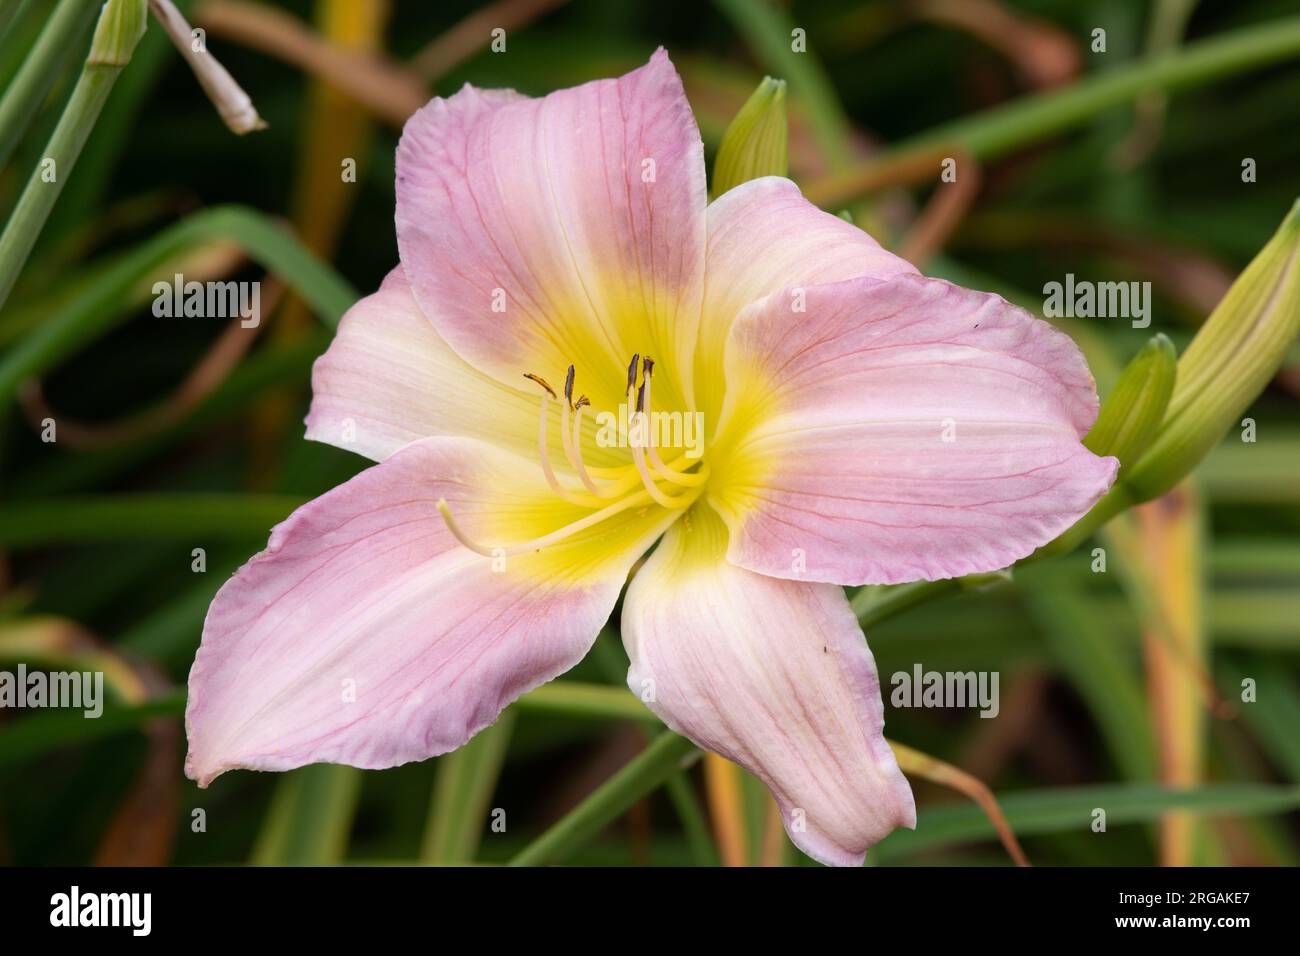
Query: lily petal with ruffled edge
{"type": "Point", "coordinates": [763, 236]}
{"type": "Point", "coordinates": [901, 430]}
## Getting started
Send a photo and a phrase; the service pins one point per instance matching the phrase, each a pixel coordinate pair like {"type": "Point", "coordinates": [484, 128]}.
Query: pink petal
{"type": "Point", "coordinates": [364, 590]}
{"type": "Point", "coordinates": [773, 675]}
{"type": "Point", "coordinates": [581, 213]}
{"type": "Point", "coordinates": [388, 379]}
{"type": "Point", "coordinates": [764, 236]}
{"type": "Point", "coordinates": [901, 430]}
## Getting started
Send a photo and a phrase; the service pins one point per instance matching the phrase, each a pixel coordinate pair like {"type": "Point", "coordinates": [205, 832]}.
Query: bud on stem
{"type": "Point", "coordinates": [755, 143]}
{"type": "Point", "coordinates": [1233, 357]}
{"type": "Point", "coordinates": [233, 104]}
{"type": "Point", "coordinates": [121, 26]}
{"type": "Point", "coordinates": [1132, 413]}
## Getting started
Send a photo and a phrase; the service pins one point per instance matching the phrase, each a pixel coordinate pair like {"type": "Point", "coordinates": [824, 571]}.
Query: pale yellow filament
{"type": "Point", "coordinates": [638, 457]}
{"type": "Point", "coordinates": [587, 501]}
{"type": "Point", "coordinates": [665, 471]}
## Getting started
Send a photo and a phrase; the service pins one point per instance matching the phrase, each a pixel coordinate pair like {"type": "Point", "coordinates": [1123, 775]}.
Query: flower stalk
{"type": "Point", "coordinates": [998, 131]}
{"type": "Point", "coordinates": [49, 55]}
{"type": "Point", "coordinates": [667, 754]}
{"type": "Point", "coordinates": [120, 27]}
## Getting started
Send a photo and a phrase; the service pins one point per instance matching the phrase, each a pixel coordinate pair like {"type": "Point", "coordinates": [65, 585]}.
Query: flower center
{"type": "Point", "coordinates": [646, 479]}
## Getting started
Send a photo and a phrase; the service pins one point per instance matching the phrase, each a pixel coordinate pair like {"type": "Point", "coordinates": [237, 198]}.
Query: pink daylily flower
{"type": "Point", "coordinates": [862, 424]}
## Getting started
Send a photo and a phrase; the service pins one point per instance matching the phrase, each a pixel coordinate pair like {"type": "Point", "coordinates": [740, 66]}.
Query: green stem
{"type": "Point", "coordinates": [190, 517]}
{"type": "Point", "coordinates": [689, 811]}
{"type": "Point", "coordinates": [604, 702]}
{"type": "Point", "coordinates": [9, 14]}
{"type": "Point", "coordinates": [463, 786]}
{"type": "Point", "coordinates": [996, 132]}
{"type": "Point", "coordinates": [1119, 499]}
{"type": "Point", "coordinates": [33, 736]}
{"type": "Point", "coordinates": [310, 819]}
{"type": "Point", "coordinates": [572, 699]}
{"type": "Point", "coordinates": [651, 768]}
{"type": "Point", "coordinates": [94, 311]}
{"type": "Point", "coordinates": [53, 49]}
{"type": "Point", "coordinates": [873, 605]}
{"type": "Point", "coordinates": [61, 153]}
{"type": "Point", "coordinates": [56, 165]}
{"type": "Point", "coordinates": [44, 731]}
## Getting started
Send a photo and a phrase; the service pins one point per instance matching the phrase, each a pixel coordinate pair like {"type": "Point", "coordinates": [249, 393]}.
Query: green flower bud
{"type": "Point", "coordinates": [1132, 413]}
{"type": "Point", "coordinates": [755, 143]}
{"type": "Point", "coordinates": [120, 27]}
{"type": "Point", "coordinates": [1233, 357]}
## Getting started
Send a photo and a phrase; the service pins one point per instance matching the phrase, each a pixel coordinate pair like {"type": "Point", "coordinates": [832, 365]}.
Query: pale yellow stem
{"type": "Point", "coordinates": [923, 765]}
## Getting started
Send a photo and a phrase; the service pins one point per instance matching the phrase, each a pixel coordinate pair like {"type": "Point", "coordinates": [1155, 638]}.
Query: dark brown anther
{"type": "Point", "coordinates": [648, 366]}
{"type": "Point", "coordinates": [582, 400]}
{"type": "Point", "coordinates": [631, 370]}
{"type": "Point", "coordinates": [540, 381]}
{"type": "Point", "coordinates": [640, 397]}
{"type": "Point", "coordinates": [568, 386]}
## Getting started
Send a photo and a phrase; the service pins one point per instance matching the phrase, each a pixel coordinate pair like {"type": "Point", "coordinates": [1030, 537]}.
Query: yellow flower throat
{"type": "Point", "coordinates": [646, 480]}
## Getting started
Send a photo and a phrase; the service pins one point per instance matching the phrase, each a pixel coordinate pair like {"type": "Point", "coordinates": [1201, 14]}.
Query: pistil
{"type": "Point", "coordinates": [546, 540]}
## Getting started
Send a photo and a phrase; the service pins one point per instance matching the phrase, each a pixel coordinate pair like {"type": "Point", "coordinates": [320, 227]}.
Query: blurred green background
{"type": "Point", "coordinates": [1119, 690]}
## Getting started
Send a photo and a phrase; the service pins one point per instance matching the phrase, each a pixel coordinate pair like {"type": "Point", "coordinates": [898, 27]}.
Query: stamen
{"type": "Point", "coordinates": [540, 381]}
{"type": "Point", "coordinates": [572, 439]}
{"type": "Point", "coordinates": [607, 499]}
{"type": "Point", "coordinates": [631, 370]}
{"type": "Point", "coordinates": [638, 457]}
{"type": "Point", "coordinates": [620, 480]}
{"type": "Point", "coordinates": [546, 540]}
{"type": "Point", "coordinates": [544, 455]}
